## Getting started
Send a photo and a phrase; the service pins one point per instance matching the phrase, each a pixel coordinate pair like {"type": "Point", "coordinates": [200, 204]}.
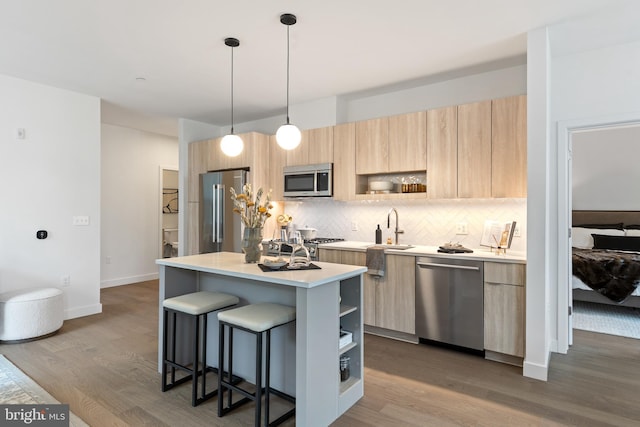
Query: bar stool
{"type": "Point", "coordinates": [256, 319]}
{"type": "Point", "coordinates": [197, 305]}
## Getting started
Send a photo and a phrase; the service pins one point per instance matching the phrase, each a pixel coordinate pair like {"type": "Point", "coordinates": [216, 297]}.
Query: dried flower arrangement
{"type": "Point", "coordinates": [254, 213]}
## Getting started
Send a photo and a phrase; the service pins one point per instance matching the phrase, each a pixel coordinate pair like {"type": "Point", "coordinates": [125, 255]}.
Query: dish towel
{"type": "Point", "coordinates": [375, 260]}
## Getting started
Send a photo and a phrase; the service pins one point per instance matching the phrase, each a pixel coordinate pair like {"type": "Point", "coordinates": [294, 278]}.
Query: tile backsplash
{"type": "Point", "coordinates": [428, 222]}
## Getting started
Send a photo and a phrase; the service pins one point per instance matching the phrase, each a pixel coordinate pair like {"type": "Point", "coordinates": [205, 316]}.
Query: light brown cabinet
{"type": "Point", "coordinates": [408, 142]}
{"type": "Point", "coordinates": [389, 301]}
{"type": "Point", "coordinates": [392, 144]}
{"type": "Point", "coordinates": [474, 150]}
{"type": "Point", "coordinates": [277, 161]}
{"type": "Point", "coordinates": [198, 163]}
{"type": "Point", "coordinates": [372, 146]}
{"type": "Point", "coordinates": [395, 295]}
{"type": "Point", "coordinates": [320, 147]}
{"type": "Point", "coordinates": [344, 163]}
{"type": "Point", "coordinates": [442, 153]}
{"type": "Point", "coordinates": [509, 147]}
{"type": "Point", "coordinates": [316, 146]}
{"type": "Point", "coordinates": [504, 312]}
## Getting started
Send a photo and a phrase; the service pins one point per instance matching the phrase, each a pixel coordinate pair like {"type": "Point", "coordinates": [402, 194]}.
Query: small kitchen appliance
{"type": "Point", "coordinates": [308, 180]}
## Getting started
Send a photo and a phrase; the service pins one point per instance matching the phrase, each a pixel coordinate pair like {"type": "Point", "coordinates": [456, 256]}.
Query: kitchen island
{"type": "Point", "coordinates": [305, 354]}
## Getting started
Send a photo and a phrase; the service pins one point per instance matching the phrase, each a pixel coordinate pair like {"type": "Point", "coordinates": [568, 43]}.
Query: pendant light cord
{"type": "Point", "coordinates": [288, 74]}
{"type": "Point", "coordinates": [231, 90]}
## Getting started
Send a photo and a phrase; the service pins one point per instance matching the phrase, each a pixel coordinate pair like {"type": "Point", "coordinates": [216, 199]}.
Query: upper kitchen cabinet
{"type": "Point", "coordinates": [392, 144]}
{"type": "Point", "coordinates": [220, 161]}
{"type": "Point", "coordinates": [321, 147]}
{"type": "Point", "coordinates": [198, 163]}
{"type": "Point", "coordinates": [474, 150]}
{"type": "Point", "coordinates": [256, 147]}
{"type": "Point", "coordinates": [442, 153]}
{"type": "Point", "coordinates": [509, 147]}
{"type": "Point", "coordinates": [344, 178]}
{"type": "Point", "coordinates": [372, 146]}
{"type": "Point", "coordinates": [408, 142]}
{"type": "Point", "coordinates": [277, 161]}
{"type": "Point", "coordinates": [316, 146]}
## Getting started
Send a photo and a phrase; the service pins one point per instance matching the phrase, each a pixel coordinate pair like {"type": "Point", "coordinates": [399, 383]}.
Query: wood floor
{"type": "Point", "coordinates": [104, 366]}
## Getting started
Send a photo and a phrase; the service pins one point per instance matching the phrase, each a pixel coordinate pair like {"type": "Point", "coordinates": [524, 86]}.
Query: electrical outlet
{"type": "Point", "coordinates": [462, 228]}
{"type": "Point", "coordinates": [354, 225]}
{"type": "Point", "coordinates": [516, 231]}
{"type": "Point", "coordinates": [81, 220]}
{"type": "Point", "coordinates": [107, 260]}
{"type": "Point", "coordinates": [65, 280]}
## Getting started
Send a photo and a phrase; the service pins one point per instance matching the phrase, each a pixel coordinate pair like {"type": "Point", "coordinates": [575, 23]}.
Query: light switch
{"type": "Point", "coordinates": [81, 220]}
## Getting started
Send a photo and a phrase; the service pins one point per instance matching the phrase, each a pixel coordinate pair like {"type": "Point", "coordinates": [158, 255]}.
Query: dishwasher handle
{"type": "Point", "coordinates": [456, 267]}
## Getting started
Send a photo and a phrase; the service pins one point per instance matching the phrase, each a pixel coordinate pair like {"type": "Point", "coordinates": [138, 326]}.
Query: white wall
{"type": "Point", "coordinates": [131, 161]}
{"type": "Point", "coordinates": [590, 75]}
{"type": "Point", "coordinates": [49, 177]}
{"type": "Point", "coordinates": [605, 169]}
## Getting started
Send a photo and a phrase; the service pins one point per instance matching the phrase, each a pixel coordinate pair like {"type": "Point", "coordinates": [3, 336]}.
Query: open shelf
{"type": "Point", "coordinates": [347, 347]}
{"type": "Point", "coordinates": [346, 309]}
{"type": "Point", "coordinates": [346, 385]}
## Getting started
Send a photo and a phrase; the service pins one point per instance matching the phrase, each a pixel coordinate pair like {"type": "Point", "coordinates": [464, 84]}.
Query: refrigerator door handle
{"type": "Point", "coordinates": [218, 212]}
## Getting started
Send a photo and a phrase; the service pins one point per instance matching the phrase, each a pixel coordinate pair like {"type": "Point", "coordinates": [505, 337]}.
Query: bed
{"type": "Point", "coordinates": [609, 262]}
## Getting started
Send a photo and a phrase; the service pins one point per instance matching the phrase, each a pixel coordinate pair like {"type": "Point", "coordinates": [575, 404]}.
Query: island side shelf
{"type": "Point", "coordinates": [351, 320]}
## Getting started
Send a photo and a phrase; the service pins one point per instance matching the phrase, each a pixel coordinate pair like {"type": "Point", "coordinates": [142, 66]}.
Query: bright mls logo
{"type": "Point", "coordinates": [35, 415]}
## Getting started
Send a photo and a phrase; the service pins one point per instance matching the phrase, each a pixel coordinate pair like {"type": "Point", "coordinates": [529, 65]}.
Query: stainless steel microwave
{"type": "Point", "coordinates": [308, 180]}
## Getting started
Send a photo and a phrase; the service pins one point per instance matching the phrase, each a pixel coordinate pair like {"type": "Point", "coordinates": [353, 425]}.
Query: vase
{"type": "Point", "coordinates": [252, 244]}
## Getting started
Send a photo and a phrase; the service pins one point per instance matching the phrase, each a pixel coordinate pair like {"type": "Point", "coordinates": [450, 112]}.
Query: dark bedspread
{"type": "Point", "coordinates": [613, 274]}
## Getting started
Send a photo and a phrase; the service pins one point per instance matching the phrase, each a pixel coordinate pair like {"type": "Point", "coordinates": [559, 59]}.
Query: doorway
{"type": "Point", "coordinates": [567, 133]}
{"type": "Point", "coordinates": [169, 209]}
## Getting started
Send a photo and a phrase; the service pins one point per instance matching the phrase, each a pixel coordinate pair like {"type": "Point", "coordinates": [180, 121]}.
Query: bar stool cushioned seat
{"type": "Point", "coordinates": [257, 319]}
{"type": "Point", "coordinates": [198, 305]}
{"type": "Point", "coordinates": [30, 313]}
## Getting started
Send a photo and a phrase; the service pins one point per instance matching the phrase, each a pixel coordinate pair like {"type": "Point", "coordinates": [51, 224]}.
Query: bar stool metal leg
{"type": "Point", "coordinates": [258, 393]}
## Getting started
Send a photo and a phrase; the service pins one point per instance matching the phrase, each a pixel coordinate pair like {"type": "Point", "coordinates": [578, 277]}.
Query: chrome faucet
{"type": "Point", "coordinates": [397, 231]}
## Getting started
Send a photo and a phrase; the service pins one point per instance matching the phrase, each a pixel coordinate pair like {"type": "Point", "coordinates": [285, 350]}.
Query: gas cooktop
{"type": "Point", "coordinates": [321, 240]}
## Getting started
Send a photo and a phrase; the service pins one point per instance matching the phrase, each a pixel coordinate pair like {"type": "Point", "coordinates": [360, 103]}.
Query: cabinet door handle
{"type": "Point", "coordinates": [457, 267]}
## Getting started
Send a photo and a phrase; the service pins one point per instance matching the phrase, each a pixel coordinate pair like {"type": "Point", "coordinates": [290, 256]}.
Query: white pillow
{"type": "Point", "coordinates": [632, 232]}
{"type": "Point", "coordinates": [581, 237]}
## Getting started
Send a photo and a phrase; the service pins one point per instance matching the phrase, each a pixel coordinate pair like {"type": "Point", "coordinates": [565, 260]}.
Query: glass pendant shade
{"type": "Point", "coordinates": [288, 136]}
{"type": "Point", "coordinates": [231, 145]}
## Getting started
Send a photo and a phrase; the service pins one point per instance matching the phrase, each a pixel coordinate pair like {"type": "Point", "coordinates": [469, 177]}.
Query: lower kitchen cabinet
{"type": "Point", "coordinates": [389, 302]}
{"type": "Point", "coordinates": [504, 312]}
{"type": "Point", "coordinates": [395, 295]}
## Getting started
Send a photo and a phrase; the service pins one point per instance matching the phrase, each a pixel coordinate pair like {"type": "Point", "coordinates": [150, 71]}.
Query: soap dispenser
{"type": "Point", "coordinates": [378, 235]}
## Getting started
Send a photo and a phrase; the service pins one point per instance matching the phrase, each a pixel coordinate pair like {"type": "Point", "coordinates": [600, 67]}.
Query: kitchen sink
{"type": "Point", "coordinates": [398, 247]}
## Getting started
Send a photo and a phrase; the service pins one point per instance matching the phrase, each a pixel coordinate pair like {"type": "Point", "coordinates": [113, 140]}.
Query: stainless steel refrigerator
{"type": "Point", "coordinates": [220, 228]}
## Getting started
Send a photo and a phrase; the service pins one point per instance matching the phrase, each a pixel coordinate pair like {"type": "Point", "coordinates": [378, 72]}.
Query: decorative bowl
{"type": "Point", "coordinates": [380, 185]}
{"type": "Point", "coordinates": [275, 264]}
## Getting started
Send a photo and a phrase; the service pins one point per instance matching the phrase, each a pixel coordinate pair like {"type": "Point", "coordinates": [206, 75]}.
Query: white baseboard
{"type": "Point", "coordinates": [87, 310]}
{"type": "Point", "coordinates": [128, 280]}
{"type": "Point", "coordinates": [536, 370]}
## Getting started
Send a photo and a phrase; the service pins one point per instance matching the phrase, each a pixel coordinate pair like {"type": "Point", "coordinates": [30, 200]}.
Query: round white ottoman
{"type": "Point", "coordinates": [30, 313]}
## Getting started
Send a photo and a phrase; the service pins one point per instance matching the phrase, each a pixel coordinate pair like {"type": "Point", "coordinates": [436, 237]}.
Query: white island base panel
{"type": "Point", "coordinates": [305, 354]}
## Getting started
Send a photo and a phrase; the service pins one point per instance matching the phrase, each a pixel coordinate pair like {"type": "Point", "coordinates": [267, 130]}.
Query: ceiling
{"type": "Point", "coordinates": [338, 48]}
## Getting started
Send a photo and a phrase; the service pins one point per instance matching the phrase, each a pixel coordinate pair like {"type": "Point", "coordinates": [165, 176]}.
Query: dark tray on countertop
{"type": "Point", "coordinates": [285, 267]}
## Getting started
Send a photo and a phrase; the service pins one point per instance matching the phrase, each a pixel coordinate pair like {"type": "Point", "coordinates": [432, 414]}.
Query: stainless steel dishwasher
{"type": "Point", "coordinates": [449, 301]}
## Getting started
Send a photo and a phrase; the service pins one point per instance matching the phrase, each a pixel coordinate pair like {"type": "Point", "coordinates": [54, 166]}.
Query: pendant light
{"type": "Point", "coordinates": [231, 144]}
{"type": "Point", "coordinates": [288, 136]}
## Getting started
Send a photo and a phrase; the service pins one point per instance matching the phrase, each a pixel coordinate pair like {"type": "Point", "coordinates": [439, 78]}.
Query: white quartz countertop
{"type": "Point", "coordinates": [233, 265]}
{"type": "Point", "coordinates": [480, 254]}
